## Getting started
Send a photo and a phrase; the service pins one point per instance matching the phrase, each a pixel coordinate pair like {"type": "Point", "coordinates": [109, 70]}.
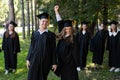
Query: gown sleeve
{"type": "Point", "coordinates": [16, 44]}
{"type": "Point", "coordinates": [76, 53]}
{"type": "Point", "coordinates": [60, 25]}
{"type": "Point", "coordinates": [3, 42]}
{"type": "Point", "coordinates": [54, 60]}
{"type": "Point", "coordinates": [107, 46]}
{"type": "Point", "coordinates": [31, 48]}
{"type": "Point", "coordinates": [60, 22]}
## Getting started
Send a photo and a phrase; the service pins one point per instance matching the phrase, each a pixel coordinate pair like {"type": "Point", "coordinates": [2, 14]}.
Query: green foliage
{"type": "Point", "coordinates": [3, 10]}
{"type": "Point", "coordinates": [79, 10]}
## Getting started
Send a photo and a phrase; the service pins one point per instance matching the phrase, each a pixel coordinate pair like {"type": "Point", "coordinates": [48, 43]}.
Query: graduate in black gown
{"type": "Point", "coordinates": [83, 39]}
{"type": "Point", "coordinates": [98, 45]}
{"type": "Point", "coordinates": [41, 56]}
{"type": "Point", "coordinates": [66, 49]}
{"type": "Point", "coordinates": [0, 49]}
{"type": "Point", "coordinates": [10, 46]}
{"type": "Point", "coordinates": [113, 46]}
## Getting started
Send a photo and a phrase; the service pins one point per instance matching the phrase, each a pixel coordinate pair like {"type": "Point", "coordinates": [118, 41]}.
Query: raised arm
{"type": "Point", "coordinates": [56, 9]}
{"type": "Point", "coordinates": [58, 18]}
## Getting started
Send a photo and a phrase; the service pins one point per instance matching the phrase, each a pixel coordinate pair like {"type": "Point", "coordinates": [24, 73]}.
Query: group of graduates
{"type": "Point", "coordinates": [69, 55]}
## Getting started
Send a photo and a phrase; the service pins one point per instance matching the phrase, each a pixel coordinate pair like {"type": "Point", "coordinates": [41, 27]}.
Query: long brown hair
{"type": "Point", "coordinates": [13, 35]}
{"type": "Point", "coordinates": [115, 29]}
{"type": "Point", "coordinates": [62, 34]}
{"type": "Point", "coordinates": [81, 29]}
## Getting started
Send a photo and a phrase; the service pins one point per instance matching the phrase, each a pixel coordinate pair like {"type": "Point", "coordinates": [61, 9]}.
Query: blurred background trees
{"type": "Point", "coordinates": [24, 11]}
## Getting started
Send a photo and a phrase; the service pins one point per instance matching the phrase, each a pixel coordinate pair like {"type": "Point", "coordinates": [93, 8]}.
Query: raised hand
{"type": "Point", "coordinates": [28, 63]}
{"type": "Point", "coordinates": [54, 67]}
{"type": "Point", "coordinates": [56, 8]}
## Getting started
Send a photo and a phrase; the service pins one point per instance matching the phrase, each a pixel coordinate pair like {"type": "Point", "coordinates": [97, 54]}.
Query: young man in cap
{"type": "Point", "coordinates": [41, 56]}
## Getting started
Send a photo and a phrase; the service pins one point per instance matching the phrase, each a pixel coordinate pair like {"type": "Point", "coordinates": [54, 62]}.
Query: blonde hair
{"type": "Point", "coordinates": [62, 34]}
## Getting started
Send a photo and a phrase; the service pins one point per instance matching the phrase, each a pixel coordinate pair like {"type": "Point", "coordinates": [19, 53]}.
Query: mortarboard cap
{"type": "Point", "coordinates": [68, 23]}
{"type": "Point", "coordinates": [105, 23]}
{"type": "Point", "coordinates": [84, 22]}
{"type": "Point", "coordinates": [114, 22]}
{"type": "Point", "coordinates": [13, 23]}
{"type": "Point", "coordinates": [44, 15]}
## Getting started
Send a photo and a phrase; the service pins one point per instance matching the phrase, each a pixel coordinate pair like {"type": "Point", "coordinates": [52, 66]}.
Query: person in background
{"type": "Point", "coordinates": [10, 46]}
{"type": "Point", "coordinates": [98, 45]}
{"type": "Point", "coordinates": [83, 39]}
{"type": "Point", "coordinates": [5, 25]}
{"type": "Point", "coordinates": [113, 46]}
{"type": "Point", "coordinates": [0, 50]}
{"type": "Point", "coordinates": [66, 49]}
{"type": "Point", "coordinates": [41, 56]}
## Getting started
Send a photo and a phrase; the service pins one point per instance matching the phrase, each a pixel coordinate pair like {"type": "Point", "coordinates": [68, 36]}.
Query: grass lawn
{"type": "Point", "coordinates": [21, 73]}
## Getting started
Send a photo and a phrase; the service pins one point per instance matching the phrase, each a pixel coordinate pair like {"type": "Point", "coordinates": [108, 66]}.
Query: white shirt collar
{"type": "Point", "coordinates": [67, 35]}
{"type": "Point", "coordinates": [83, 32]}
{"type": "Point", "coordinates": [113, 33]}
{"type": "Point", "coordinates": [41, 32]}
{"type": "Point", "coordinates": [100, 28]}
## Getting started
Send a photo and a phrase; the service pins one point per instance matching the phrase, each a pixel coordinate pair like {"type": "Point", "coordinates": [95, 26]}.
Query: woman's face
{"type": "Point", "coordinates": [113, 26]}
{"type": "Point", "coordinates": [101, 26]}
{"type": "Point", "coordinates": [43, 23]}
{"type": "Point", "coordinates": [68, 30]}
{"type": "Point", "coordinates": [10, 27]}
{"type": "Point", "coordinates": [84, 26]}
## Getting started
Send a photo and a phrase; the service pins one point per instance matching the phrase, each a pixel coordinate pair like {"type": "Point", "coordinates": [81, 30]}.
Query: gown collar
{"type": "Point", "coordinates": [83, 32]}
{"type": "Point", "coordinates": [113, 33]}
{"type": "Point", "coordinates": [41, 32]}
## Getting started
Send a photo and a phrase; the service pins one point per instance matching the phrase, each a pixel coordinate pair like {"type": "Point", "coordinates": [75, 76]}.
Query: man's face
{"type": "Point", "coordinates": [43, 23]}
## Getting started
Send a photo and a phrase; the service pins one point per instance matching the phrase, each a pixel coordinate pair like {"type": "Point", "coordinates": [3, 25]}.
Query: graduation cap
{"type": "Point", "coordinates": [104, 23]}
{"type": "Point", "coordinates": [13, 23]}
{"type": "Point", "coordinates": [69, 23]}
{"type": "Point", "coordinates": [44, 15]}
{"type": "Point", "coordinates": [114, 22]}
{"type": "Point", "coordinates": [84, 22]}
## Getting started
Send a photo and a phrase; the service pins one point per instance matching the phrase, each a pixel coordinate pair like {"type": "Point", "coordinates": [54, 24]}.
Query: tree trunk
{"type": "Point", "coordinates": [23, 19]}
{"type": "Point", "coordinates": [28, 18]}
{"type": "Point", "coordinates": [11, 10]}
{"type": "Point", "coordinates": [32, 15]}
{"type": "Point", "coordinates": [105, 11]}
{"type": "Point", "coordinates": [35, 11]}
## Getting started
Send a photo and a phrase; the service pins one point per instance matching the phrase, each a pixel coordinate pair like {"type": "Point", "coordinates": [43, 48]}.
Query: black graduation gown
{"type": "Point", "coordinates": [67, 58]}
{"type": "Point", "coordinates": [113, 46]}
{"type": "Point", "coordinates": [41, 55]}
{"type": "Point", "coordinates": [11, 47]}
{"type": "Point", "coordinates": [97, 46]}
{"type": "Point", "coordinates": [82, 47]}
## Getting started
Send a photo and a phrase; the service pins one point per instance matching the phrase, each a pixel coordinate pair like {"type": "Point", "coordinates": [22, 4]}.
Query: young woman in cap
{"type": "Point", "coordinates": [11, 47]}
{"type": "Point", "coordinates": [113, 46]}
{"type": "Point", "coordinates": [66, 49]}
{"type": "Point", "coordinates": [41, 56]}
{"type": "Point", "coordinates": [83, 39]}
